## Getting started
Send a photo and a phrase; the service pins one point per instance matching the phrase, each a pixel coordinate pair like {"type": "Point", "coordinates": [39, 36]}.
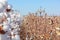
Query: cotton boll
{"type": "Point", "coordinates": [1, 14]}
{"type": "Point", "coordinates": [3, 5]}
{"type": "Point", "coordinates": [9, 6]}
{"type": "Point", "coordinates": [17, 37]}
{"type": "Point", "coordinates": [18, 15]}
{"type": "Point", "coordinates": [8, 19]}
{"type": "Point", "coordinates": [57, 28]}
{"type": "Point", "coordinates": [12, 34]}
{"type": "Point", "coordinates": [5, 26]}
{"type": "Point", "coordinates": [3, 0]}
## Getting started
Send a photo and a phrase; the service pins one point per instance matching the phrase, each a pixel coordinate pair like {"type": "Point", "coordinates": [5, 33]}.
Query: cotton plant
{"type": "Point", "coordinates": [14, 33]}
{"type": "Point", "coordinates": [14, 25]}
{"type": "Point", "coordinates": [11, 22]}
{"type": "Point", "coordinates": [5, 26]}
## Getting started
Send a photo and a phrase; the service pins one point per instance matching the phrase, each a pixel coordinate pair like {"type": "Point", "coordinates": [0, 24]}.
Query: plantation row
{"type": "Point", "coordinates": [40, 27]}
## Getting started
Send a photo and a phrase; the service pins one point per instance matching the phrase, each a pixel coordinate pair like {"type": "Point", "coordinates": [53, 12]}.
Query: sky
{"type": "Point", "coordinates": [52, 7]}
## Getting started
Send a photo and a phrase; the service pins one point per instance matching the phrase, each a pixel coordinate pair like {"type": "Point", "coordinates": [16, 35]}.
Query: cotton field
{"type": "Point", "coordinates": [33, 26]}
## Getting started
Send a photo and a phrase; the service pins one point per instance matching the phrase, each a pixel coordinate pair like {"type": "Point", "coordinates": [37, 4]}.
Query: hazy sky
{"type": "Point", "coordinates": [24, 6]}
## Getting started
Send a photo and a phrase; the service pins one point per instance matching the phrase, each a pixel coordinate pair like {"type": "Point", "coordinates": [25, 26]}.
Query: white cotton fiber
{"type": "Point", "coordinates": [3, 5]}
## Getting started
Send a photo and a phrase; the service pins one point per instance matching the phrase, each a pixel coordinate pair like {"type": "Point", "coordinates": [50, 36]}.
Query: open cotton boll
{"type": "Point", "coordinates": [3, 5]}
{"type": "Point", "coordinates": [3, 0]}
{"type": "Point", "coordinates": [12, 34]}
{"type": "Point", "coordinates": [17, 37]}
{"type": "Point", "coordinates": [1, 14]}
{"type": "Point", "coordinates": [9, 6]}
{"type": "Point", "coordinates": [5, 26]}
{"type": "Point", "coordinates": [57, 28]}
{"type": "Point", "coordinates": [8, 19]}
